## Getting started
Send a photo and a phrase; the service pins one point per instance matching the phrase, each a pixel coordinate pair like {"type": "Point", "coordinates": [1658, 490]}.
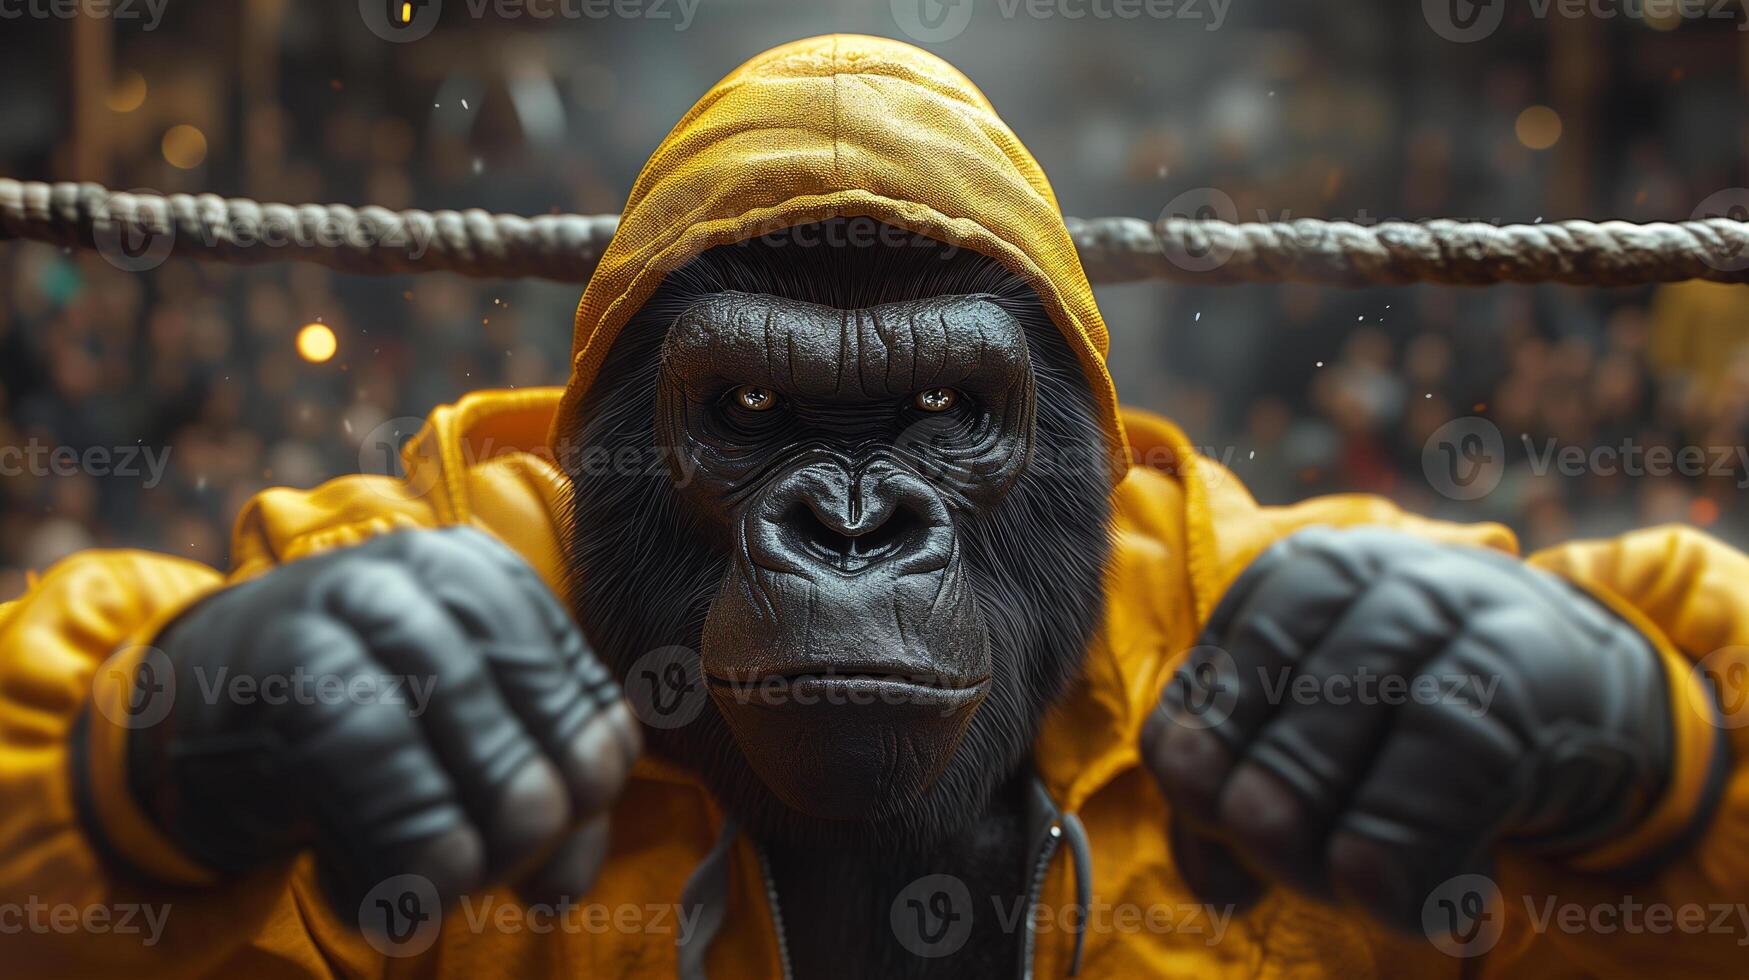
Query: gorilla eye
{"type": "Point", "coordinates": [936, 399]}
{"type": "Point", "coordinates": [755, 399]}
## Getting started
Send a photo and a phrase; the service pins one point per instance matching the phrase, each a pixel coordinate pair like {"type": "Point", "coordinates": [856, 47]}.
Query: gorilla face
{"type": "Point", "coordinates": [833, 448]}
{"type": "Point", "coordinates": [879, 519]}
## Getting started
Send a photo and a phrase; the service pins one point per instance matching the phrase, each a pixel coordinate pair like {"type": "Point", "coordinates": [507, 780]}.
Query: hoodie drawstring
{"type": "Point", "coordinates": [707, 889]}
{"type": "Point", "coordinates": [1081, 855]}
{"type": "Point", "coordinates": [1056, 826]}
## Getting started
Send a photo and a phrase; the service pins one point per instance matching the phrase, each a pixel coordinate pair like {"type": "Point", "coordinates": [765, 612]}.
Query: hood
{"type": "Point", "coordinates": [842, 126]}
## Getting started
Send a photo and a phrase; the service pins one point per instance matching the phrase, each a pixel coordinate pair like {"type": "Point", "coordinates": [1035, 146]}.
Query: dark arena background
{"type": "Point", "coordinates": [147, 406]}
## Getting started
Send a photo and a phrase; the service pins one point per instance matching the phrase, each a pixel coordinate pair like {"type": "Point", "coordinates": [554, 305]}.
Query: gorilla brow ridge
{"type": "Point", "coordinates": [959, 340]}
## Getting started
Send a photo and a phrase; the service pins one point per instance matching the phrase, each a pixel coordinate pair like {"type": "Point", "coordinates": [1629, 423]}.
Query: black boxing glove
{"type": "Point", "coordinates": [1371, 712]}
{"type": "Point", "coordinates": [419, 704]}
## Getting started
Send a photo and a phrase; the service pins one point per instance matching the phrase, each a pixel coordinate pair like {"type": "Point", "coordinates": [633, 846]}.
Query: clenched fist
{"type": "Point", "coordinates": [418, 704]}
{"type": "Point", "coordinates": [1371, 712]}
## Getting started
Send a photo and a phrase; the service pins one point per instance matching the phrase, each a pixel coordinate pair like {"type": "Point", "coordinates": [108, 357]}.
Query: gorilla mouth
{"type": "Point", "coordinates": [847, 745]}
{"type": "Point", "coordinates": [860, 687]}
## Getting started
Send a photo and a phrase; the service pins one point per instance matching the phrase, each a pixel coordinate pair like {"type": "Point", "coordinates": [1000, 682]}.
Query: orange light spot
{"type": "Point", "coordinates": [1703, 511]}
{"type": "Point", "coordinates": [1538, 127]}
{"type": "Point", "coordinates": [317, 343]}
{"type": "Point", "coordinates": [129, 92]}
{"type": "Point", "coordinates": [184, 146]}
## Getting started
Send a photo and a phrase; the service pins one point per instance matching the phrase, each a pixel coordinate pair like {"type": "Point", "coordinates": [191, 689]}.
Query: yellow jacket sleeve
{"type": "Point", "coordinates": [68, 655]}
{"type": "Point", "coordinates": [76, 672]}
{"type": "Point", "coordinates": [1687, 915]}
{"type": "Point", "coordinates": [1673, 896]}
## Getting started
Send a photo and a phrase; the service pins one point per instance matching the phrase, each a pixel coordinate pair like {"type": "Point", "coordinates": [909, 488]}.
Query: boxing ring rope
{"type": "Point", "coordinates": [565, 247]}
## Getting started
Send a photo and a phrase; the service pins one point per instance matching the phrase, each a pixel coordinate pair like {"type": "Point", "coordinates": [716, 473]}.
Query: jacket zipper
{"type": "Point", "coordinates": [776, 910]}
{"type": "Point", "coordinates": [1033, 891]}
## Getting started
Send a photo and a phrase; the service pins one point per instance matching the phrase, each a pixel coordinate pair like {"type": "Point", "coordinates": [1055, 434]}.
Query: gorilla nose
{"type": "Point", "coordinates": [852, 543]}
{"type": "Point", "coordinates": [825, 516]}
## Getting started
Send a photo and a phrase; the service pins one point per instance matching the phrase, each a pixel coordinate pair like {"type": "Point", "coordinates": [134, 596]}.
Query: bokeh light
{"type": "Point", "coordinates": [1538, 127]}
{"type": "Point", "coordinates": [128, 93]}
{"type": "Point", "coordinates": [185, 147]}
{"type": "Point", "coordinates": [317, 343]}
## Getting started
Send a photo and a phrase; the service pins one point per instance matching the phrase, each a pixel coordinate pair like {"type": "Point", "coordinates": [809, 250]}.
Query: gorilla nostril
{"type": "Point", "coordinates": [806, 529]}
{"type": "Point", "coordinates": [889, 536]}
{"type": "Point", "coordinates": [849, 549]}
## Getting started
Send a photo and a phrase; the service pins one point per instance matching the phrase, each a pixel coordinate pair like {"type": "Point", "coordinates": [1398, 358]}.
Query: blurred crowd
{"type": "Point", "coordinates": [200, 370]}
{"type": "Point", "coordinates": [1299, 390]}
{"type": "Point", "coordinates": [1635, 413]}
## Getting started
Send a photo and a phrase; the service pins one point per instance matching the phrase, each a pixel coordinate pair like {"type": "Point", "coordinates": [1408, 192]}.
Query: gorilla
{"type": "Point", "coordinates": [851, 513]}
{"type": "Point", "coordinates": [879, 538]}
{"type": "Point", "coordinates": [836, 610]}
{"type": "Point", "coordinates": [883, 528]}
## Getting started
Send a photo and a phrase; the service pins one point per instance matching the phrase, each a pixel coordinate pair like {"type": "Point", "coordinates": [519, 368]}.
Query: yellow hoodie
{"type": "Point", "coordinates": [822, 127]}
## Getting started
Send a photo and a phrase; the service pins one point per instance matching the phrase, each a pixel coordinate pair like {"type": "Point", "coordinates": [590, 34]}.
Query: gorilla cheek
{"type": "Point", "coordinates": [847, 693]}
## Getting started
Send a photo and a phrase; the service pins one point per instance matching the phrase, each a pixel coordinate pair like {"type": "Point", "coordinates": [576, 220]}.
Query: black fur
{"type": "Point", "coordinates": [644, 568]}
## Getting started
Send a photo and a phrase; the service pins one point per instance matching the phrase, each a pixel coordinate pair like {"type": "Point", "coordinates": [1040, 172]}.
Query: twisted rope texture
{"type": "Point", "coordinates": [137, 230]}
